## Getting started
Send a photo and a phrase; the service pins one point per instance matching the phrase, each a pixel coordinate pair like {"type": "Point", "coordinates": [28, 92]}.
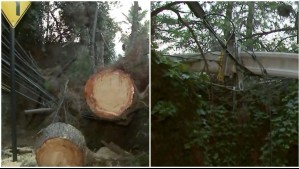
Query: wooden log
{"type": "Point", "coordinates": [111, 94]}
{"type": "Point", "coordinates": [114, 92]}
{"type": "Point", "coordinates": [39, 111]}
{"type": "Point", "coordinates": [60, 144]}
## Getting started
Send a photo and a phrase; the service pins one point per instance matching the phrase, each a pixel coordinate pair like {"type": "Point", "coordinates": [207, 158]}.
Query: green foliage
{"type": "Point", "coordinates": [63, 22]}
{"type": "Point", "coordinates": [260, 128]}
{"type": "Point", "coordinates": [232, 138]}
{"type": "Point", "coordinates": [47, 86]}
{"type": "Point", "coordinates": [178, 82]}
{"type": "Point", "coordinates": [172, 35]}
{"type": "Point", "coordinates": [142, 27]}
{"type": "Point", "coordinates": [30, 29]}
{"type": "Point", "coordinates": [141, 15]}
{"type": "Point", "coordinates": [80, 69]}
{"type": "Point", "coordinates": [283, 134]}
{"type": "Point", "coordinates": [164, 109]}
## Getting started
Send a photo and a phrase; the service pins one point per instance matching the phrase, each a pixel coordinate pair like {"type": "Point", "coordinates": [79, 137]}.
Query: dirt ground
{"type": "Point", "coordinates": [26, 158]}
{"type": "Point", "coordinates": [25, 142]}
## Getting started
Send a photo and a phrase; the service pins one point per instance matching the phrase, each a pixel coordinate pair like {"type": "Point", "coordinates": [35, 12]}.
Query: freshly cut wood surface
{"type": "Point", "coordinates": [59, 152]}
{"type": "Point", "coordinates": [109, 93]}
{"type": "Point", "coordinates": [60, 144]}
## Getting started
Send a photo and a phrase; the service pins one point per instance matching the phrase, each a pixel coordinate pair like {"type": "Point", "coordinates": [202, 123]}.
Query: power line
{"type": "Point", "coordinates": [22, 60]}
{"type": "Point", "coordinates": [7, 88]}
{"type": "Point", "coordinates": [28, 87]}
{"type": "Point", "coordinates": [27, 79]}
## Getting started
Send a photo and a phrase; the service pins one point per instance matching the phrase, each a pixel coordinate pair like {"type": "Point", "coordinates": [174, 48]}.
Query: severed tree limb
{"type": "Point", "coordinates": [109, 93]}
{"type": "Point", "coordinates": [60, 144]}
{"type": "Point", "coordinates": [40, 110]}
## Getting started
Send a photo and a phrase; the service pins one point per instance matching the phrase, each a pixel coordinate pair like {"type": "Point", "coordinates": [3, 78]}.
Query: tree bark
{"type": "Point", "coordinates": [118, 90]}
{"type": "Point", "coordinates": [249, 25]}
{"type": "Point", "coordinates": [100, 42]}
{"type": "Point", "coordinates": [229, 13]}
{"type": "Point", "coordinates": [100, 48]}
{"type": "Point", "coordinates": [48, 21]}
{"type": "Point", "coordinates": [93, 36]}
{"type": "Point", "coordinates": [230, 40]}
{"type": "Point", "coordinates": [60, 144]}
{"type": "Point", "coordinates": [134, 28]}
{"type": "Point", "coordinates": [155, 12]}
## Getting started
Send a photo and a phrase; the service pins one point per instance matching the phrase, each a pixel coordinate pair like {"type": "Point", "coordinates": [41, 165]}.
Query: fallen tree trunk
{"type": "Point", "coordinates": [60, 144]}
{"type": "Point", "coordinates": [115, 91]}
{"type": "Point", "coordinates": [111, 94]}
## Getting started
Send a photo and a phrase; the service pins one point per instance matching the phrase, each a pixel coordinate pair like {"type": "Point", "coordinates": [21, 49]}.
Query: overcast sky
{"type": "Point", "coordinates": [117, 14]}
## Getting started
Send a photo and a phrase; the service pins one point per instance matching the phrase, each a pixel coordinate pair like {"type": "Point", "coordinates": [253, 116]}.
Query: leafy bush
{"type": "Point", "coordinates": [259, 128]}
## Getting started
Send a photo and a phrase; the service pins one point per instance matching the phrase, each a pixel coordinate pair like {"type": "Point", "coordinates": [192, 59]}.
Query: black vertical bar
{"type": "Point", "coordinates": [297, 20]}
{"type": "Point", "coordinates": [13, 96]}
{"type": "Point", "coordinates": [18, 8]}
{"type": "Point", "coordinates": [297, 24]}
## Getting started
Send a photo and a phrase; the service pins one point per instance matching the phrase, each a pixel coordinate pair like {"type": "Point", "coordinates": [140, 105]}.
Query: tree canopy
{"type": "Point", "coordinates": [257, 24]}
{"type": "Point", "coordinates": [199, 120]}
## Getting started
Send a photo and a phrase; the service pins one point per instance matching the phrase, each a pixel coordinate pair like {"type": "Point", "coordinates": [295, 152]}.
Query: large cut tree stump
{"type": "Point", "coordinates": [111, 94]}
{"type": "Point", "coordinates": [60, 144]}
{"type": "Point", "coordinates": [116, 91]}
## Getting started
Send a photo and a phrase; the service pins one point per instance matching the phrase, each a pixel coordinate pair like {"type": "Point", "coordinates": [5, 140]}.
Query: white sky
{"type": "Point", "coordinates": [117, 15]}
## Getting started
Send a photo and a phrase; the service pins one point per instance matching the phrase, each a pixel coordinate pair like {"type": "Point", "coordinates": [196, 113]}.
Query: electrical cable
{"type": "Point", "coordinates": [28, 87]}
{"type": "Point", "coordinates": [7, 88]}
{"type": "Point", "coordinates": [233, 25]}
{"type": "Point", "coordinates": [18, 45]}
{"type": "Point", "coordinates": [27, 74]}
{"type": "Point", "coordinates": [34, 84]}
{"type": "Point", "coordinates": [18, 56]}
{"type": "Point", "coordinates": [4, 57]}
{"type": "Point", "coordinates": [223, 45]}
{"type": "Point", "coordinates": [254, 57]}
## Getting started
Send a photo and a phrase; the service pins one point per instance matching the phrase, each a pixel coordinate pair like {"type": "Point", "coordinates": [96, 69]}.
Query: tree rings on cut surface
{"type": "Point", "coordinates": [60, 144]}
{"type": "Point", "coordinates": [110, 93]}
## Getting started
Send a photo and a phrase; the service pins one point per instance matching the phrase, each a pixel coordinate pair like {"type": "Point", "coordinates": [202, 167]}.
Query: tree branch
{"type": "Point", "coordinates": [165, 7]}
{"type": "Point", "coordinates": [168, 7]}
{"type": "Point", "coordinates": [58, 26]}
{"type": "Point", "coordinates": [194, 37]}
{"type": "Point", "coordinates": [283, 39]}
{"type": "Point", "coordinates": [266, 33]}
{"type": "Point", "coordinates": [196, 9]}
